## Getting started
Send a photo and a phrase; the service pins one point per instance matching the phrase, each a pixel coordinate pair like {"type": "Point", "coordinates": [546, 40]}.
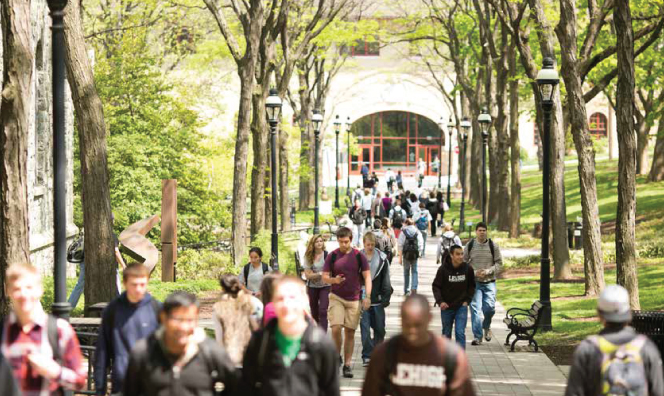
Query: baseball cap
{"type": "Point", "coordinates": [613, 304]}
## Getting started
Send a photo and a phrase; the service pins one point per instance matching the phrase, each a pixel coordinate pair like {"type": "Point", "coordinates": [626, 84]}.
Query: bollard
{"type": "Point", "coordinates": [578, 235]}
{"type": "Point", "coordinates": [570, 235]}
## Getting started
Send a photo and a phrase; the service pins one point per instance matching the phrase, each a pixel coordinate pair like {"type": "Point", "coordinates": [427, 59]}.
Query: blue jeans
{"type": "Point", "coordinates": [459, 318]}
{"type": "Point", "coordinates": [484, 303]}
{"type": "Point", "coordinates": [424, 237]}
{"type": "Point", "coordinates": [78, 288]}
{"type": "Point", "coordinates": [409, 267]}
{"type": "Point", "coordinates": [374, 318]}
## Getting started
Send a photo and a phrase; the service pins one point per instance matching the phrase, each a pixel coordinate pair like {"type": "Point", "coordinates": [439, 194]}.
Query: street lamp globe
{"type": "Point", "coordinates": [450, 126]}
{"type": "Point", "coordinates": [337, 125]}
{"type": "Point", "coordinates": [465, 124]}
{"type": "Point", "coordinates": [485, 121]}
{"type": "Point", "coordinates": [547, 79]}
{"type": "Point", "coordinates": [348, 124]}
{"type": "Point", "coordinates": [273, 106]}
{"type": "Point", "coordinates": [317, 119]}
{"type": "Point", "coordinates": [441, 123]}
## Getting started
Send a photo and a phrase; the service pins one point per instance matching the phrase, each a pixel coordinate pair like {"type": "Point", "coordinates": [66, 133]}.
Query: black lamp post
{"type": "Point", "coordinates": [317, 119]}
{"type": "Point", "coordinates": [60, 305]}
{"type": "Point", "coordinates": [349, 162]}
{"type": "Point", "coordinates": [485, 123]}
{"type": "Point", "coordinates": [465, 125]}
{"type": "Point", "coordinates": [337, 129]}
{"type": "Point", "coordinates": [547, 79]}
{"type": "Point", "coordinates": [440, 164]}
{"type": "Point", "coordinates": [450, 128]}
{"type": "Point", "coordinates": [273, 109]}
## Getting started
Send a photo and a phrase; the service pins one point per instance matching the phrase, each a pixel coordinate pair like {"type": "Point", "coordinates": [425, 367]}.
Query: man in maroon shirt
{"type": "Point", "coordinates": [346, 269]}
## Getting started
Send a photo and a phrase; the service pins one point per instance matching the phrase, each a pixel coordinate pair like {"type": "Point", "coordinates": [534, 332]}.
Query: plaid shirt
{"type": "Point", "coordinates": [17, 344]}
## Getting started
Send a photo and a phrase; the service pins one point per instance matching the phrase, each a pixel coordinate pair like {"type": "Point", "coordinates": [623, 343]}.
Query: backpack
{"type": "Point", "coordinates": [246, 268]}
{"type": "Point", "coordinates": [423, 222]}
{"type": "Point", "coordinates": [446, 243]}
{"type": "Point", "coordinates": [359, 216]}
{"type": "Point", "coordinates": [397, 218]}
{"type": "Point", "coordinates": [382, 241]}
{"type": "Point", "coordinates": [622, 370]}
{"type": "Point", "coordinates": [449, 363]}
{"type": "Point", "coordinates": [411, 250]}
{"type": "Point", "coordinates": [491, 246]}
{"type": "Point", "coordinates": [75, 251]}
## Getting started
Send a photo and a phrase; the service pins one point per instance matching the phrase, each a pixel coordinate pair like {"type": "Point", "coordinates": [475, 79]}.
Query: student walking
{"type": "Point", "coordinates": [432, 207]}
{"type": "Point", "coordinates": [253, 272]}
{"type": "Point", "coordinates": [42, 350]}
{"type": "Point", "coordinates": [446, 241]}
{"type": "Point", "coordinates": [129, 318]}
{"type": "Point", "coordinates": [618, 361]}
{"type": "Point", "coordinates": [381, 292]}
{"type": "Point", "coordinates": [317, 290]}
{"type": "Point", "coordinates": [291, 356]}
{"type": "Point", "coordinates": [418, 362]}
{"type": "Point", "coordinates": [358, 215]}
{"type": "Point", "coordinates": [346, 269]}
{"type": "Point", "coordinates": [399, 181]}
{"type": "Point", "coordinates": [422, 223]}
{"type": "Point", "coordinates": [454, 288]}
{"type": "Point", "coordinates": [484, 255]}
{"type": "Point", "coordinates": [410, 245]}
{"type": "Point", "coordinates": [179, 359]}
{"type": "Point", "coordinates": [367, 202]}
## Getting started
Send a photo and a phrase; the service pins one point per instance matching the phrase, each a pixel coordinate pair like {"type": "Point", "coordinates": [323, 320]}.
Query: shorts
{"type": "Point", "coordinates": [344, 313]}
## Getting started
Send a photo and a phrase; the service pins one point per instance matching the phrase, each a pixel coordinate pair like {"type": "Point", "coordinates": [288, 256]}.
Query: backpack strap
{"type": "Point", "coordinates": [332, 260]}
{"type": "Point", "coordinates": [266, 268]}
{"type": "Point", "coordinates": [470, 246]}
{"type": "Point", "coordinates": [52, 334]}
{"type": "Point", "coordinates": [262, 351]}
{"type": "Point", "coordinates": [246, 274]}
{"type": "Point", "coordinates": [493, 251]}
{"type": "Point", "coordinates": [359, 262]}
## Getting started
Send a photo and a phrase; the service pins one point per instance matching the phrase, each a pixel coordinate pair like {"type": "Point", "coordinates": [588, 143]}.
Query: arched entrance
{"type": "Point", "coordinates": [396, 140]}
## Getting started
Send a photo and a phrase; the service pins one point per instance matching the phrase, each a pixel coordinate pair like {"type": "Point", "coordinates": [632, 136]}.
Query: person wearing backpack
{"type": "Point", "coordinates": [381, 291]}
{"type": "Point", "coordinates": [454, 288]}
{"type": "Point", "coordinates": [432, 207]}
{"type": "Point", "coordinates": [422, 223]}
{"type": "Point", "coordinates": [397, 215]}
{"type": "Point", "coordinates": [418, 362]}
{"type": "Point", "coordinates": [253, 272]}
{"type": "Point", "coordinates": [410, 245]}
{"type": "Point", "coordinates": [617, 361]}
{"type": "Point", "coordinates": [358, 215]}
{"type": "Point", "coordinates": [129, 318]}
{"type": "Point", "coordinates": [42, 350]}
{"type": "Point", "coordinates": [484, 255]}
{"type": "Point", "coordinates": [291, 356]}
{"type": "Point", "coordinates": [179, 359]}
{"type": "Point", "coordinates": [446, 241]}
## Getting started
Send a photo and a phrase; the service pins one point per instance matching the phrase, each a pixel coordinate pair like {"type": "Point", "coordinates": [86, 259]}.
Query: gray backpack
{"type": "Point", "coordinates": [622, 371]}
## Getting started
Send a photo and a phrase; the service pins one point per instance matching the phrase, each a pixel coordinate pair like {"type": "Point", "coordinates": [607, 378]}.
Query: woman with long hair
{"type": "Point", "coordinates": [267, 292]}
{"type": "Point", "coordinates": [234, 318]}
{"type": "Point", "coordinates": [318, 291]}
{"type": "Point", "coordinates": [392, 239]}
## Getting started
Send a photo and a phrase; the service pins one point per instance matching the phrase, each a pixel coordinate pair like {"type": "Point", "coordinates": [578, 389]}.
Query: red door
{"type": "Point", "coordinates": [365, 157]}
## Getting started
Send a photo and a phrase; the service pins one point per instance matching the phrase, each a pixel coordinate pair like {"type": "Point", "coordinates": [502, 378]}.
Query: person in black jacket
{"type": "Point", "coordinates": [381, 291]}
{"type": "Point", "coordinates": [453, 288]}
{"type": "Point", "coordinates": [179, 359]}
{"type": "Point", "coordinates": [291, 356]}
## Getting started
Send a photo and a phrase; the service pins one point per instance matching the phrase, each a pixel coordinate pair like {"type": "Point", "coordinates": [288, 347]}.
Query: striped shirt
{"type": "Point", "coordinates": [481, 259]}
{"type": "Point", "coordinates": [17, 344]}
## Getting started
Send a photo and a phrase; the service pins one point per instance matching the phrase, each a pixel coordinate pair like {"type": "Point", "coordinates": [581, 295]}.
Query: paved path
{"type": "Point", "coordinates": [495, 370]}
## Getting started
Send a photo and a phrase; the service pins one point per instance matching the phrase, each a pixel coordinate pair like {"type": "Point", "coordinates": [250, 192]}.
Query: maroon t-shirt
{"type": "Point", "coordinates": [347, 264]}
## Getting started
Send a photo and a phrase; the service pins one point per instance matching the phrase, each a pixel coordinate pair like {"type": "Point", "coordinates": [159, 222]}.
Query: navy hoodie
{"type": "Point", "coordinates": [132, 323]}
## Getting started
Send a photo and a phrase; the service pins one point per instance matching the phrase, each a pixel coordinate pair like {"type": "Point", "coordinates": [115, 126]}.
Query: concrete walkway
{"type": "Point", "coordinates": [495, 370]}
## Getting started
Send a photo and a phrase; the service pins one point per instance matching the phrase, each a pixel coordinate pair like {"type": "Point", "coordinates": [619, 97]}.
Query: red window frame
{"type": "Point", "coordinates": [597, 125]}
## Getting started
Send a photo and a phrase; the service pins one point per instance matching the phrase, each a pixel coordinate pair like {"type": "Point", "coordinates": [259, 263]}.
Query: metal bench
{"type": "Point", "coordinates": [651, 324]}
{"type": "Point", "coordinates": [523, 323]}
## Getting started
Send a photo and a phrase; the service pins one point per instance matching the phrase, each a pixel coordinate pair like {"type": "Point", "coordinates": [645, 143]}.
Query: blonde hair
{"type": "Point", "coordinates": [369, 237]}
{"type": "Point", "coordinates": [310, 253]}
{"type": "Point", "coordinates": [447, 227]}
{"type": "Point", "coordinates": [18, 271]}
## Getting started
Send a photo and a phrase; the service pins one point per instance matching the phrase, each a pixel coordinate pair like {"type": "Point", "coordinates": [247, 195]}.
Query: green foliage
{"type": "Point", "coordinates": [203, 264]}
{"type": "Point", "coordinates": [286, 253]}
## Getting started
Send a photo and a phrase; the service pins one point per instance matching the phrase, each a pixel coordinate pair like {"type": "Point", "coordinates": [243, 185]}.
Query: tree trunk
{"type": "Point", "coordinates": [284, 207]}
{"type": "Point", "coordinates": [515, 147]}
{"type": "Point", "coordinates": [502, 138]}
{"type": "Point", "coordinates": [626, 216]}
{"type": "Point", "coordinates": [14, 129]}
{"type": "Point", "coordinates": [592, 239]}
{"type": "Point", "coordinates": [657, 168]}
{"type": "Point", "coordinates": [259, 184]}
{"type": "Point", "coordinates": [96, 196]}
{"type": "Point", "coordinates": [465, 111]}
{"type": "Point", "coordinates": [643, 130]}
{"type": "Point", "coordinates": [305, 110]}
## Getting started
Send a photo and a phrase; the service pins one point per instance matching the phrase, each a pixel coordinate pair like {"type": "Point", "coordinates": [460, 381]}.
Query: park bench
{"type": "Point", "coordinates": [523, 323]}
{"type": "Point", "coordinates": [651, 324]}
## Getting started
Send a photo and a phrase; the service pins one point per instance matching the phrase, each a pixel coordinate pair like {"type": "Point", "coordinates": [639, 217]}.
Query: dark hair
{"type": "Point", "coordinates": [384, 223]}
{"type": "Point", "coordinates": [179, 299]}
{"type": "Point", "coordinates": [481, 224]}
{"type": "Point", "coordinates": [256, 250]}
{"type": "Point", "coordinates": [377, 223]}
{"type": "Point", "coordinates": [416, 299]}
{"type": "Point", "coordinates": [135, 270]}
{"type": "Point", "coordinates": [344, 232]}
{"type": "Point", "coordinates": [422, 206]}
{"type": "Point", "coordinates": [267, 287]}
{"type": "Point", "coordinates": [230, 284]}
{"type": "Point", "coordinates": [413, 197]}
{"type": "Point", "coordinates": [454, 248]}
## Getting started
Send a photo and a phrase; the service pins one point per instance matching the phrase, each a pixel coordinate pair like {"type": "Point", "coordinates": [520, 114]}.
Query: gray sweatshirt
{"type": "Point", "coordinates": [481, 259]}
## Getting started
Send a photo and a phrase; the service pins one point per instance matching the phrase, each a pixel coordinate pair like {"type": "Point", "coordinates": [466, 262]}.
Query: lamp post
{"type": "Point", "coordinates": [349, 164]}
{"type": "Point", "coordinates": [485, 123]}
{"type": "Point", "coordinates": [465, 125]}
{"type": "Point", "coordinates": [450, 127]}
{"type": "Point", "coordinates": [317, 119]}
{"type": "Point", "coordinates": [337, 129]}
{"type": "Point", "coordinates": [273, 109]}
{"type": "Point", "coordinates": [60, 305]}
{"type": "Point", "coordinates": [440, 165]}
{"type": "Point", "coordinates": [547, 79]}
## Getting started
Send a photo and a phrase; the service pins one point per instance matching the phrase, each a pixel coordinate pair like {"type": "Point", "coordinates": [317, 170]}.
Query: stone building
{"type": "Point", "coordinates": [40, 145]}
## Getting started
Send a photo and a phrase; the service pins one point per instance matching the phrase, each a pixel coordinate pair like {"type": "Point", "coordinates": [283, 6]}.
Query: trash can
{"type": "Point", "coordinates": [578, 235]}
{"type": "Point", "coordinates": [570, 234]}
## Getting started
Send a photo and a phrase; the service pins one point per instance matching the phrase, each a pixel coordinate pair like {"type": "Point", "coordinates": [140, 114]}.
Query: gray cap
{"type": "Point", "coordinates": [613, 304]}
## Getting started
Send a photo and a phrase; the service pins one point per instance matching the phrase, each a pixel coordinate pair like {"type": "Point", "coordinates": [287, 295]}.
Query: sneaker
{"type": "Point", "coordinates": [348, 372]}
{"type": "Point", "coordinates": [365, 362]}
{"type": "Point", "coordinates": [476, 342]}
{"type": "Point", "coordinates": [488, 334]}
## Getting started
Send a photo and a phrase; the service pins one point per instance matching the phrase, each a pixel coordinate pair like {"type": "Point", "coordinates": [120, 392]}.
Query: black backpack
{"type": "Point", "coordinates": [397, 218]}
{"type": "Point", "coordinates": [359, 215]}
{"type": "Point", "coordinates": [246, 268]}
{"type": "Point", "coordinates": [493, 249]}
{"type": "Point", "coordinates": [411, 249]}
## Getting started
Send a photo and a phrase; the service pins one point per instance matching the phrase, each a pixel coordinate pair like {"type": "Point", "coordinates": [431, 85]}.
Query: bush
{"type": "Point", "coordinates": [286, 253]}
{"type": "Point", "coordinates": [203, 264]}
{"type": "Point", "coordinates": [651, 250]}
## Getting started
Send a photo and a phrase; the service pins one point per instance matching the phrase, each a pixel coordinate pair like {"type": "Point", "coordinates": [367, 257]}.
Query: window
{"type": "Point", "coordinates": [597, 125]}
{"type": "Point", "coordinates": [365, 47]}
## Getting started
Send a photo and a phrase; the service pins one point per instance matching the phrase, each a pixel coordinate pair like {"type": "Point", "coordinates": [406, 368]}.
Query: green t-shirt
{"type": "Point", "coordinates": [288, 346]}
